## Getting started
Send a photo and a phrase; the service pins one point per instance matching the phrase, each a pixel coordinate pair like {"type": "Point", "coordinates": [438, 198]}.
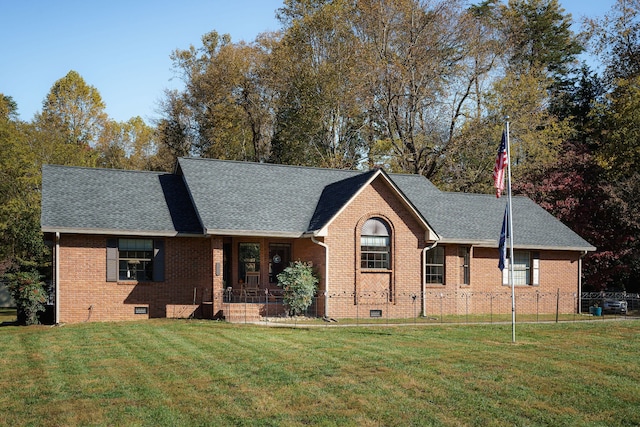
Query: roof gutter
{"type": "Point", "coordinates": [424, 276]}
{"type": "Point", "coordinates": [254, 233]}
{"type": "Point", "coordinates": [119, 232]}
{"type": "Point", "coordinates": [494, 244]}
{"type": "Point", "coordinates": [326, 273]}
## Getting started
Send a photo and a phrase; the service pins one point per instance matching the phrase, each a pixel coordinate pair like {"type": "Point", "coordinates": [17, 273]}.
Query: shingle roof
{"type": "Point", "coordinates": [478, 218]}
{"type": "Point", "coordinates": [110, 200]}
{"type": "Point", "coordinates": [334, 196]}
{"type": "Point", "coordinates": [266, 199]}
{"type": "Point", "coordinates": [256, 198]}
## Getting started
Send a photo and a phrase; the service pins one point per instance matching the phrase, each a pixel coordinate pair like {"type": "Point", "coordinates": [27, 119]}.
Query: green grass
{"type": "Point", "coordinates": [436, 319]}
{"type": "Point", "coordinates": [169, 372]}
{"type": "Point", "coordinates": [7, 315]}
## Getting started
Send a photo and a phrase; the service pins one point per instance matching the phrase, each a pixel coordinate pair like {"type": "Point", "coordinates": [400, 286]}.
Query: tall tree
{"type": "Point", "coordinates": [317, 78]}
{"type": "Point", "coordinates": [176, 130]}
{"type": "Point", "coordinates": [229, 106]}
{"type": "Point", "coordinates": [539, 37]}
{"type": "Point", "coordinates": [128, 145]}
{"type": "Point", "coordinates": [413, 51]}
{"type": "Point", "coordinates": [20, 238]}
{"type": "Point", "coordinates": [75, 110]}
{"type": "Point", "coordinates": [615, 39]}
{"type": "Point", "coordinates": [573, 190]}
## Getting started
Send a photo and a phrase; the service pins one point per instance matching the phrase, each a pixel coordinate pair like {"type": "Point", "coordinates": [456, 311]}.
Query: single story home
{"type": "Point", "coordinates": [209, 240]}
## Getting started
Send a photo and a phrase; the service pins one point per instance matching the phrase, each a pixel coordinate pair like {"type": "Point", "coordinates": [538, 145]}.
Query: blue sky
{"type": "Point", "coordinates": [122, 47]}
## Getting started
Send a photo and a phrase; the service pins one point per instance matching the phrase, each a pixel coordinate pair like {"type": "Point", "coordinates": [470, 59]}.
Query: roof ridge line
{"type": "Point", "coordinates": [93, 168]}
{"type": "Point", "coordinates": [246, 162]}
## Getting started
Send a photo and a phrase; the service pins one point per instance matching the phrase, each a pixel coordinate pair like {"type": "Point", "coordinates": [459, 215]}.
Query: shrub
{"type": "Point", "coordinates": [299, 284]}
{"type": "Point", "coordinates": [28, 292]}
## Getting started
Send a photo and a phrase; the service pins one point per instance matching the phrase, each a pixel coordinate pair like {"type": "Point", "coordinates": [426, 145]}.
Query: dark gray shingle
{"type": "Point", "coordinates": [267, 199]}
{"type": "Point", "coordinates": [257, 198]}
{"type": "Point", "coordinates": [109, 199]}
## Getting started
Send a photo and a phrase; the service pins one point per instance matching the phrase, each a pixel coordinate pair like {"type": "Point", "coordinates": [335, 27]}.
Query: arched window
{"type": "Point", "coordinates": [375, 244]}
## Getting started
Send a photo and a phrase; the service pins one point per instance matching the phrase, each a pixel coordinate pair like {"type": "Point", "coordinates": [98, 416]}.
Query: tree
{"type": "Point", "coordinates": [27, 290]}
{"type": "Point", "coordinates": [616, 138]}
{"type": "Point", "coordinates": [299, 284]}
{"type": "Point", "coordinates": [316, 74]}
{"type": "Point", "coordinates": [225, 101]}
{"type": "Point", "coordinates": [128, 145]}
{"type": "Point", "coordinates": [414, 51]}
{"type": "Point", "coordinates": [619, 120]}
{"type": "Point", "coordinates": [20, 238]}
{"type": "Point", "coordinates": [574, 191]}
{"type": "Point", "coordinates": [176, 131]}
{"type": "Point", "coordinates": [539, 37]}
{"type": "Point", "coordinates": [73, 110]}
{"type": "Point", "coordinates": [615, 38]}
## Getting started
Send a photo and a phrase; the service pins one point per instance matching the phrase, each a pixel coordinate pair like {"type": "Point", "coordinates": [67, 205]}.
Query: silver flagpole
{"type": "Point", "coordinates": [511, 258]}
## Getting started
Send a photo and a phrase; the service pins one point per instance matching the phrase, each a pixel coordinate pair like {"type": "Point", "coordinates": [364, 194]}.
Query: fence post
{"type": "Point", "coordinates": [491, 307]}
{"type": "Point", "coordinates": [557, 305]}
{"type": "Point", "coordinates": [466, 302]}
{"type": "Point", "coordinates": [415, 318]}
{"type": "Point", "coordinates": [387, 302]}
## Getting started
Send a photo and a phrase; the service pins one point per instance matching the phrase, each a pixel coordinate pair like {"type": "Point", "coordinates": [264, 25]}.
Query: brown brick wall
{"type": "Point", "coordinates": [354, 292]}
{"type": "Point", "coordinates": [383, 290]}
{"type": "Point", "coordinates": [85, 295]}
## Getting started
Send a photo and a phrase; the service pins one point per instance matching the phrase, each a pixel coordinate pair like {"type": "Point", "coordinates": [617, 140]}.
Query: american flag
{"type": "Point", "coordinates": [501, 165]}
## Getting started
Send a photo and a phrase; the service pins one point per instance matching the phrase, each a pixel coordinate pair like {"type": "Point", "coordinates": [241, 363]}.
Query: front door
{"type": "Point", "coordinates": [279, 259]}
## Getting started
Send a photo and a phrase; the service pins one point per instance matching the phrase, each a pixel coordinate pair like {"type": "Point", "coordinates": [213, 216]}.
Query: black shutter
{"type": "Point", "coordinates": [112, 260]}
{"type": "Point", "coordinates": [158, 260]}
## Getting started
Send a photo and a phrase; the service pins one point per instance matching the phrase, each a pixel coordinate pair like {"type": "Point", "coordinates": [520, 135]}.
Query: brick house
{"type": "Point", "coordinates": [211, 237]}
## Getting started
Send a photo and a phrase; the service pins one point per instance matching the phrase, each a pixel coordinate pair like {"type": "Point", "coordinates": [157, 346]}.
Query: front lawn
{"type": "Point", "coordinates": [8, 315]}
{"type": "Point", "coordinates": [172, 372]}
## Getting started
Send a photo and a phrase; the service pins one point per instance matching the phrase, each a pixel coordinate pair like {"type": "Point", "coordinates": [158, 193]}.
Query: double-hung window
{"type": "Point", "coordinates": [526, 269]}
{"type": "Point", "coordinates": [434, 266]}
{"type": "Point", "coordinates": [135, 259]}
{"type": "Point", "coordinates": [375, 245]}
{"type": "Point", "coordinates": [521, 268]}
{"type": "Point", "coordinates": [464, 257]}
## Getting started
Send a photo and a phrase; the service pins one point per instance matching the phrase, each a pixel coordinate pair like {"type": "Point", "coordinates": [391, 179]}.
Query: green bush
{"type": "Point", "coordinates": [299, 284]}
{"type": "Point", "coordinates": [28, 292]}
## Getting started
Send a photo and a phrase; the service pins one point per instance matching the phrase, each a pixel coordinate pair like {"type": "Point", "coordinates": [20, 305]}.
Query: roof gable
{"type": "Point", "coordinates": [236, 198]}
{"type": "Point", "coordinates": [334, 197]}
{"type": "Point", "coordinates": [340, 194]}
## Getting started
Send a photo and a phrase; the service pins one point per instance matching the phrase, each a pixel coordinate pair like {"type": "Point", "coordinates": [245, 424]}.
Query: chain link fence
{"type": "Point", "coordinates": [434, 306]}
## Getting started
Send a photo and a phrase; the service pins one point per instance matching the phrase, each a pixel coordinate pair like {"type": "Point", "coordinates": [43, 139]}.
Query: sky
{"type": "Point", "coordinates": [122, 47]}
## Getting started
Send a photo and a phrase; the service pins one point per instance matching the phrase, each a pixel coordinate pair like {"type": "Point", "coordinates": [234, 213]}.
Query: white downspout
{"type": "Point", "coordinates": [424, 276]}
{"type": "Point", "coordinates": [326, 274]}
{"type": "Point", "coordinates": [584, 253]}
{"type": "Point", "coordinates": [56, 266]}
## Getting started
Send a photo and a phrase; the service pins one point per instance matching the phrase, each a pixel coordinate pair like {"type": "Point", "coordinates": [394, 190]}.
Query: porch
{"type": "Point", "coordinates": [243, 306]}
